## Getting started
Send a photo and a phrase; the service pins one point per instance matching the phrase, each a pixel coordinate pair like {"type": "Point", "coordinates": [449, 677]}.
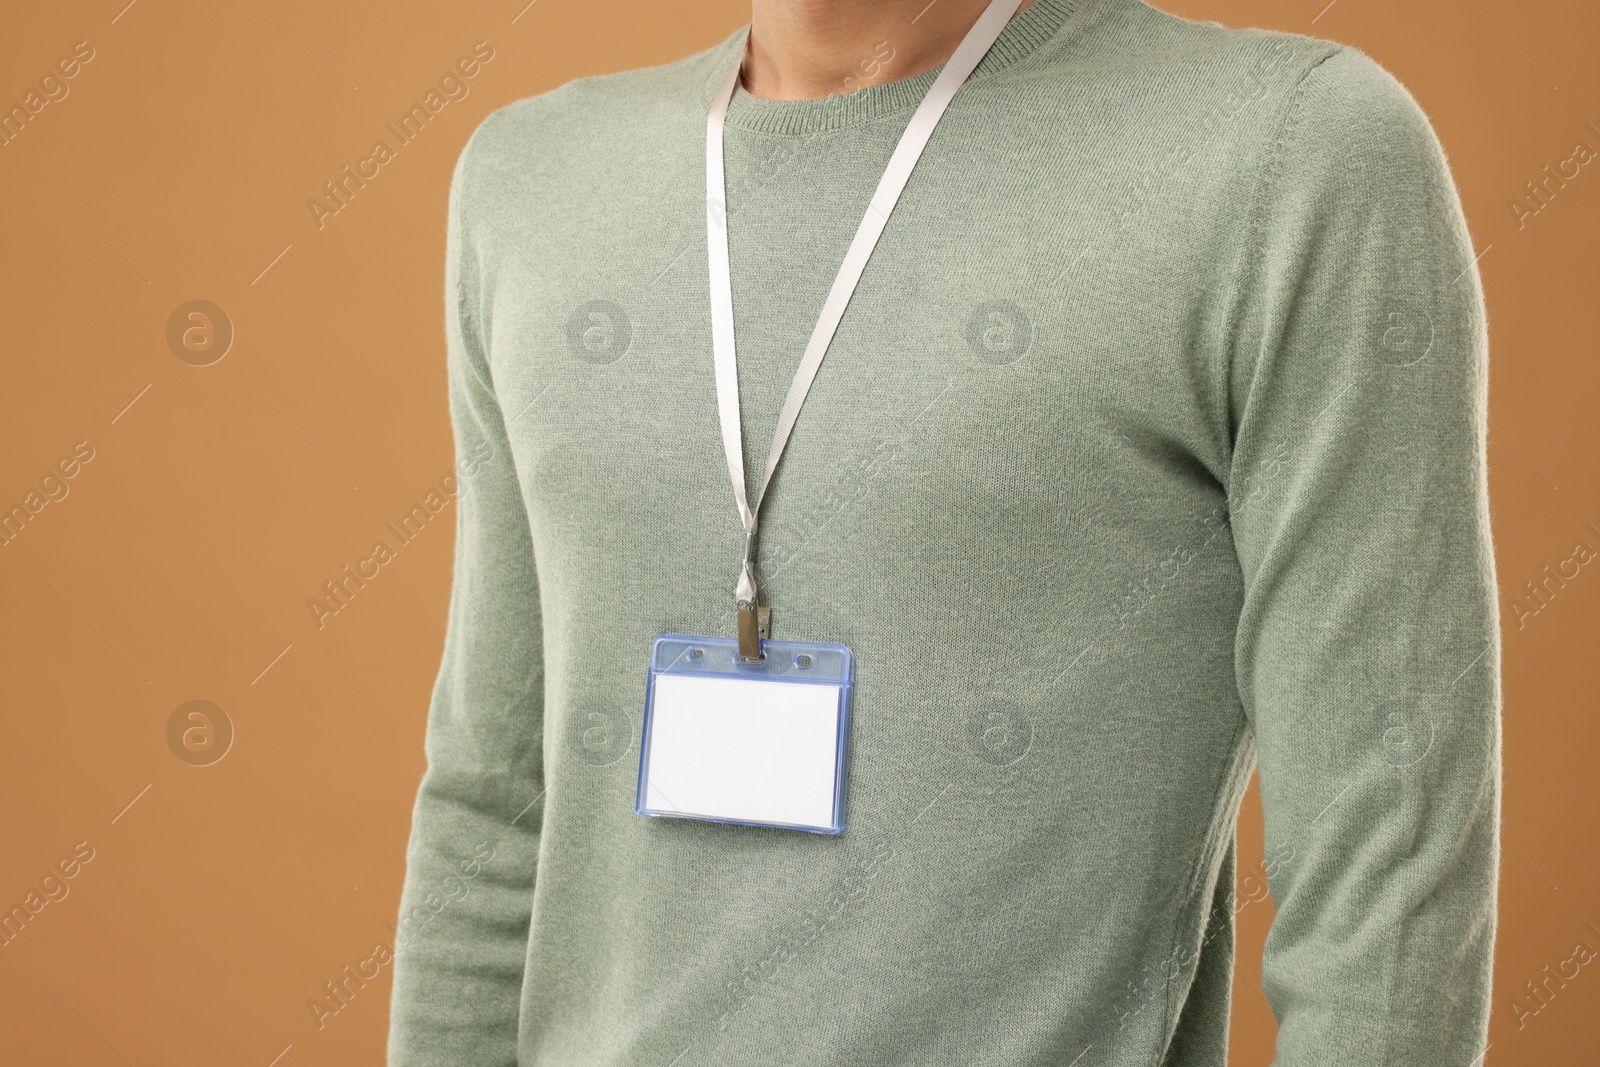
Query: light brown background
{"type": "Point", "coordinates": [221, 898]}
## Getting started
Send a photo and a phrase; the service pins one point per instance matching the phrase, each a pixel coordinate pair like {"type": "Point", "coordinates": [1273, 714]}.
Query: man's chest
{"type": "Point", "coordinates": [1006, 344]}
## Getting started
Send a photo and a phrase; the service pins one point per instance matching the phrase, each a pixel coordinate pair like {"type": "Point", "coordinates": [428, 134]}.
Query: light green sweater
{"type": "Point", "coordinates": [1151, 446]}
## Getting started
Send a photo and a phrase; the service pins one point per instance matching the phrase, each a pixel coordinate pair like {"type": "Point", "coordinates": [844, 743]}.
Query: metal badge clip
{"type": "Point", "coordinates": [755, 626]}
{"type": "Point", "coordinates": [755, 621]}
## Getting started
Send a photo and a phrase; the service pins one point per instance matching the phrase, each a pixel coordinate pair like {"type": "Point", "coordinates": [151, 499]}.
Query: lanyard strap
{"type": "Point", "coordinates": [974, 46]}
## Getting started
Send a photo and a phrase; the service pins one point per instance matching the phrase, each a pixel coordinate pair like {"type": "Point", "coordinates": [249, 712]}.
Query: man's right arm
{"type": "Point", "coordinates": [462, 938]}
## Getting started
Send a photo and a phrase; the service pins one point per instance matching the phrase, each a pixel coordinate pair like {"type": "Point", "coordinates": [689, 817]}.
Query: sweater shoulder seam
{"type": "Point", "coordinates": [1270, 168]}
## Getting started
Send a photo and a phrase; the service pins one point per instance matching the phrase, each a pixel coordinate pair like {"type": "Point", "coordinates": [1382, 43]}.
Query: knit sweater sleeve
{"type": "Point", "coordinates": [462, 938]}
{"type": "Point", "coordinates": [1367, 654]}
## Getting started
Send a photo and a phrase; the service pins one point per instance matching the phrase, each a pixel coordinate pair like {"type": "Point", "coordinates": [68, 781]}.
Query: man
{"type": "Point", "coordinates": [1149, 445]}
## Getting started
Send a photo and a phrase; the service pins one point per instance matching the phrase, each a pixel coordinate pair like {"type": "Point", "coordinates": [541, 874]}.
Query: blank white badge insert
{"type": "Point", "coordinates": [744, 749]}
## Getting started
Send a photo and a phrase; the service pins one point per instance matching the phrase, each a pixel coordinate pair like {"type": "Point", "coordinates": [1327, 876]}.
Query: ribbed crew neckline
{"type": "Point", "coordinates": [1037, 23]}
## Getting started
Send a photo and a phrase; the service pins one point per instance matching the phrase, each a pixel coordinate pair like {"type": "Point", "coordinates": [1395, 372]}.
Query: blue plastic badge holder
{"type": "Point", "coordinates": [755, 744]}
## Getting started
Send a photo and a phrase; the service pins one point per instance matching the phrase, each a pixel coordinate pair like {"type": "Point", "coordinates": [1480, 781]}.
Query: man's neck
{"type": "Point", "coordinates": [808, 49]}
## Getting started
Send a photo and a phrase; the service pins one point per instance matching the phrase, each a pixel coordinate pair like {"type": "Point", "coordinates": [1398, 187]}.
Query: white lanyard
{"type": "Point", "coordinates": [974, 46]}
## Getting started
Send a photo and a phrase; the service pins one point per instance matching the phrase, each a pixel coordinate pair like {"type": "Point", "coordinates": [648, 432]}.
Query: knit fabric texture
{"type": "Point", "coordinates": [1150, 449]}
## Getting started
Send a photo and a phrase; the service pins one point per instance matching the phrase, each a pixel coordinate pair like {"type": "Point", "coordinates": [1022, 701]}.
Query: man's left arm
{"type": "Point", "coordinates": [1368, 652]}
